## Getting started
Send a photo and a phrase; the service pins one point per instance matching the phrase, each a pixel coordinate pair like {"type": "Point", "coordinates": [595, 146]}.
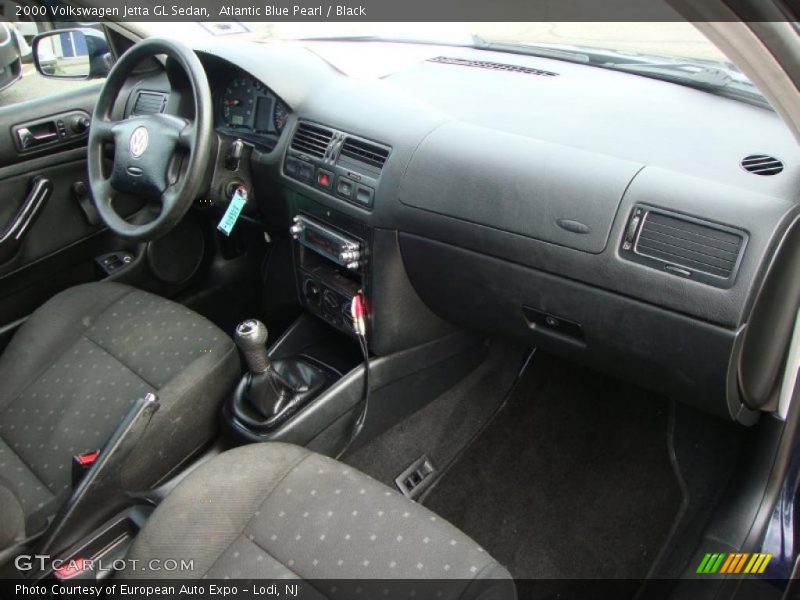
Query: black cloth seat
{"type": "Point", "coordinates": [71, 373]}
{"type": "Point", "coordinates": [275, 510]}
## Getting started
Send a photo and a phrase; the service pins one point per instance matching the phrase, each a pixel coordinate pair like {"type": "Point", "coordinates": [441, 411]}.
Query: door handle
{"type": "Point", "coordinates": [12, 235]}
{"type": "Point", "coordinates": [28, 139]}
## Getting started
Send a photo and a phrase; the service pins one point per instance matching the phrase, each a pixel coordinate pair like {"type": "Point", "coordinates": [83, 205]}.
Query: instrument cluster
{"type": "Point", "coordinates": [248, 108]}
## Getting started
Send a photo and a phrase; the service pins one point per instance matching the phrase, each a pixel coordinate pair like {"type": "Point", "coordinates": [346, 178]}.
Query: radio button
{"type": "Point", "coordinates": [364, 195]}
{"type": "Point", "coordinates": [290, 167]}
{"type": "Point", "coordinates": [345, 187]}
{"type": "Point", "coordinates": [305, 171]}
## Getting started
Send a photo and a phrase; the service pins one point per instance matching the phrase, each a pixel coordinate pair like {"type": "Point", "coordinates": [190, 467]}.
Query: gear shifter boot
{"type": "Point", "coordinates": [267, 399]}
{"type": "Point", "coordinates": [271, 391]}
{"type": "Point", "coordinates": [285, 384]}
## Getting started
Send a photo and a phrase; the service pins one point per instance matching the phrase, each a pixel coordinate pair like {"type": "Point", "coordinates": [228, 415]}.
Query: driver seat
{"type": "Point", "coordinates": [72, 372]}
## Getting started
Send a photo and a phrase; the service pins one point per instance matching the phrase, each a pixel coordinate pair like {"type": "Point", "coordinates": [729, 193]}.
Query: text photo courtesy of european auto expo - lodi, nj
{"type": "Point", "coordinates": [442, 299]}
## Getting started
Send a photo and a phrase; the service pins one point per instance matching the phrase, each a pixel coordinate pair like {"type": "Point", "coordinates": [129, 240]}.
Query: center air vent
{"type": "Point", "coordinates": [336, 163]}
{"type": "Point", "coordinates": [684, 246]}
{"type": "Point", "coordinates": [312, 139]}
{"type": "Point", "coordinates": [364, 152]}
{"type": "Point", "coordinates": [149, 103]}
{"type": "Point", "coordinates": [483, 64]}
{"type": "Point", "coordinates": [762, 164]}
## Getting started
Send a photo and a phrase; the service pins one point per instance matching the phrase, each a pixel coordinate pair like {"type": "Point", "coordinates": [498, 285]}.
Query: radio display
{"type": "Point", "coordinates": [327, 243]}
{"type": "Point", "coordinates": [321, 242]}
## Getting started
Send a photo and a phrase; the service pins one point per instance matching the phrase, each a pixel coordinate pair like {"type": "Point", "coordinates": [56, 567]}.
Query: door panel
{"type": "Point", "coordinates": [61, 221]}
{"type": "Point", "coordinates": [59, 247]}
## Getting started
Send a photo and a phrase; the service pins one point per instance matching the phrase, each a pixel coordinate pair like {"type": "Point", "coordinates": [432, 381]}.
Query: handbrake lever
{"type": "Point", "coordinates": [100, 489]}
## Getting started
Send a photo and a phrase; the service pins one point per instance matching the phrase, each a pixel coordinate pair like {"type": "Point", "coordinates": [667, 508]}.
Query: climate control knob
{"type": "Point", "coordinates": [312, 292]}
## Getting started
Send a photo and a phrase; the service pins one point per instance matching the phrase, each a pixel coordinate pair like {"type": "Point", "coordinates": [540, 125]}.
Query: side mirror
{"type": "Point", "coordinates": [72, 54]}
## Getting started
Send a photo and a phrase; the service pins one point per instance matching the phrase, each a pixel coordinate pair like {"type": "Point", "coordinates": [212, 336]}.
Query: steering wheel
{"type": "Point", "coordinates": [159, 157]}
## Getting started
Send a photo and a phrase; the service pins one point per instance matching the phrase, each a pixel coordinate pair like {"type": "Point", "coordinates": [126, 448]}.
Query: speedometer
{"type": "Point", "coordinates": [238, 101]}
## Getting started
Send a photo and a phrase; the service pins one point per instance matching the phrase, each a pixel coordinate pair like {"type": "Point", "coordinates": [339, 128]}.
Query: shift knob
{"type": "Point", "coordinates": [251, 339]}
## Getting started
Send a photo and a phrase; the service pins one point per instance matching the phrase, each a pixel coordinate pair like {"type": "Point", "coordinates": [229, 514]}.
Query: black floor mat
{"type": "Point", "coordinates": [571, 480]}
{"type": "Point", "coordinates": [443, 428]}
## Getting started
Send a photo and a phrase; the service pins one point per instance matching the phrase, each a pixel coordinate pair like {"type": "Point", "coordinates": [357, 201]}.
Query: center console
{"type": "Point", "coordinates": [331, 264]}
{"type": "Point", "coordinates": [288, 381]}
{"type": "Point", "coordinates": [325, 369]}
{"type": "Point", "coordinates": [333, 252]}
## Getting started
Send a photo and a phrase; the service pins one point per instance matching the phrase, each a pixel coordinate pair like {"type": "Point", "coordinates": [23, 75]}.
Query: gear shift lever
{"type": "Point", "coordinates": [275, 389]}
{"type": "Point", "coordinates": [251, 339]}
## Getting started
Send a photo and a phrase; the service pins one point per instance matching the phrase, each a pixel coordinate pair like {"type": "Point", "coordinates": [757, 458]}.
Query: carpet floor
{"type": "Point", "coordinates": [572, 478]}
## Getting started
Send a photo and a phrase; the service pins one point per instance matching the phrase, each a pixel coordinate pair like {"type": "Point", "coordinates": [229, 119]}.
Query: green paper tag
{"type": "Point", "coordinates": [228, 221]}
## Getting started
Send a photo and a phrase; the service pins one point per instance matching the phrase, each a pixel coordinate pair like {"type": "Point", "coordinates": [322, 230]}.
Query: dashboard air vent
{"type": "Point", "coordinates": [689, 244]}
{"type": "Point", "coordinates": [483, 64]}
{"type": "Point", "coordinates": [364, 152]}
{"type": "Point", "coordinates": [312, 139]}
{"type": "Point", "coordinates": [149, 103]}
{"type": "Point", "coordinates": [762, 164]}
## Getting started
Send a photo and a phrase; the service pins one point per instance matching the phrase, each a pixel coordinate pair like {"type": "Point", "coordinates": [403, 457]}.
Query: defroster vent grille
{"type": "Point", "coordinates": [493, 66]}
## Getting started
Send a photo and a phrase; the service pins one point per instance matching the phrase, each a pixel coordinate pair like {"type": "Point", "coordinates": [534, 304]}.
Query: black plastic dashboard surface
{"type": "Point", "coordinates": [544, 173]}
{"type": "Point", "coordinates": [545, 191]}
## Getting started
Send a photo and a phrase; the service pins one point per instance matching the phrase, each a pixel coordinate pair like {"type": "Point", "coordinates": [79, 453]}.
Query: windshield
{"type": "Point", "coordinates": [680, 40]}
{"type": "Point", "coordinates": [674, 51]}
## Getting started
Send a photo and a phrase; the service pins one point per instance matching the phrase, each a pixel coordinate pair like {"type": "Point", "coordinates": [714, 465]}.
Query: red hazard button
{"type": "Point", "coordinates": [325, 179]}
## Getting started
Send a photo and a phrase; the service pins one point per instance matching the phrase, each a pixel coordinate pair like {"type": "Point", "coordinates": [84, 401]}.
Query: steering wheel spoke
{"type": "Point", "coordinates": [104, 193]}
{"type": "Point", "coordinates": [187, 136]}
{"type": "Point", "coordinates": [102, 130]}
{"type": "Point", "coordinates": [169, 199]}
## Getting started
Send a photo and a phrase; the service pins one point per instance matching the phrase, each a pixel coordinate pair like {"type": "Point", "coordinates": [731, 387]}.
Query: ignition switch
{"type": "Point", "coordinates": [232, 186]}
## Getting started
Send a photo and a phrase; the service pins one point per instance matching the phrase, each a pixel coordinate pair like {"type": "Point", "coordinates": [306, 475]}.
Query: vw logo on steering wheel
{"type": "Point", "coordinates": [138, 142]}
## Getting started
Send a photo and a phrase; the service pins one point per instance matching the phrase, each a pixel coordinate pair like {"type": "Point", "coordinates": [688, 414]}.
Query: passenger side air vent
{"type": "Point", "coordinates": [364, 152]}
{"type": "Point", "coordinates": [483, 64]}
{"type": "Point", "coordinates": [684, 246]}
{"type": "Point", "coordinates": [149, 103]}
{"type": "Point", "coordinates": [762, 164]}
{"type": "Point", "coordinates": [312, 139]}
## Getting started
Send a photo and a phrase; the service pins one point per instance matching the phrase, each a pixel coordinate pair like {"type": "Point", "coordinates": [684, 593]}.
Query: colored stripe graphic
{"type": "Point", "coordinates": [764, 563]}
{"type": "Point", "coordinates": [704, 564]}
{"type": "Point", "coordinates": [717, 563]}
{"type": "Point", "coordinates": [711, 563]}
{"type": "Point", "coordinates": [743, 563]}
{"type": "Point", "coordinates": [756, 558]}
{"type": "Point", "coordinates": [740, 563]}
{"type": "Point", "coordinates": [727, 565]}
{"type": "Point", "coordinates": [732, 567]}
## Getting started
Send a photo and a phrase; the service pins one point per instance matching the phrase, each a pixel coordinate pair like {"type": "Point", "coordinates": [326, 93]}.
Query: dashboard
{"type": "Point", "coordinates": [603, 216]}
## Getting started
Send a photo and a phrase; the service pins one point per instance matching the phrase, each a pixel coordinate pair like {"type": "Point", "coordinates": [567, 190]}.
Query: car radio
{"type": "Point", "coordinates": [330, 270]}
{"type": "Point", "coordinates": [342, 250]}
